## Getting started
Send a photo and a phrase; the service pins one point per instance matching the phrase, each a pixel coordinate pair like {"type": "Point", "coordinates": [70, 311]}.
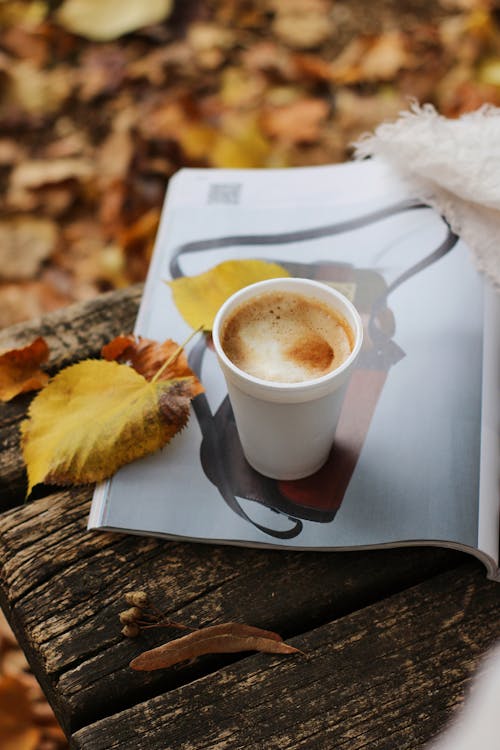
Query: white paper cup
{"type": "Point", "coordinates": [287, 429]}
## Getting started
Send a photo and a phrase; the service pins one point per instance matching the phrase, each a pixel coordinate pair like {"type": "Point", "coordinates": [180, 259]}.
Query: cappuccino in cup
{"type": "Point", "coordinates": [287, 348]}
{"type": "Point", "coordinates": [286, 337]}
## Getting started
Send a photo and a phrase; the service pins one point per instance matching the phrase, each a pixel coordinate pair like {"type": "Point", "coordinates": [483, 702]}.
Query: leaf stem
{"type": "Point", "coordinates": [167, 624]}
{"type": "Point", "coordinates": [174, 356]}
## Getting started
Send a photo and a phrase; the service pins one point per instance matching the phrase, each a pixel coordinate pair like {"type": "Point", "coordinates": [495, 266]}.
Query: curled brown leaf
{"type": "Point", "coordinates": [147, 357]}
{"type": "Point", "coordinates": [20, 369]}
{"type": "Point", "coordinates": [228, 637]}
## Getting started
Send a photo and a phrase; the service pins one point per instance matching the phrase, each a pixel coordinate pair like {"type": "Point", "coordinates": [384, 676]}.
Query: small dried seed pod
{"type": "Point", "coordinates": [137, 598]}
{"type": "Point", "coordinates": [130, 616]}
{"type": "Point", "coordinates": [131, 631]}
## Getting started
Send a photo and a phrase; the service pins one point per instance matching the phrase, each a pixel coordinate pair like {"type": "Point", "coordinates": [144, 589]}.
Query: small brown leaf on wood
{"type": "Point", "coordinates": [20, 369]}
{"type": "Point", "coordinates": [229, 637]}
{"type": "Point", "coordinates": [147, 356]}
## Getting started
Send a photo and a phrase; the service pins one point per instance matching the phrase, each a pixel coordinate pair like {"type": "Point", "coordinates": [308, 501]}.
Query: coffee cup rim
{"type": "Point", "coordinates": [300, 286]}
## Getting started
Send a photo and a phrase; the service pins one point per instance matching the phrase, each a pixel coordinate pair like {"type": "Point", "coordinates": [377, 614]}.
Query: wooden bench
{"type": "Point", "coordinates": [391, 638]}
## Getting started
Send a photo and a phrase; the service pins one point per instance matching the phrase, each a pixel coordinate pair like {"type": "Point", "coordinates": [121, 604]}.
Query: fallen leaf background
{"type": "Point", "coordinates": [26, 720]}
{"type": "Point", "coordinates": [98, 109]}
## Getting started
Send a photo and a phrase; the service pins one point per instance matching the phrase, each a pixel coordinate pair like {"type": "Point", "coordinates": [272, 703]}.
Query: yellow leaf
{"type": "Point", "coordinates": [489, 72]}
{"type": "Point", "coordinates": [96, 416]}
{"type": "Point", "coordinates": [240, 143]}
{"type": "Point", "coordinates": [196, 139]}
{"type": "Point", "coordinates": [104, 20]}
{"type": "Point", "coordinates": [199, 297]}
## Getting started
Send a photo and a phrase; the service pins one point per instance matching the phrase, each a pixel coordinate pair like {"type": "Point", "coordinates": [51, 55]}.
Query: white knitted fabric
{"type": "Point", "coordinates": [453, 166]}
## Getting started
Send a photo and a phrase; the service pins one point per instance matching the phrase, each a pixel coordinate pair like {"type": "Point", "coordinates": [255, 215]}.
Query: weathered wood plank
{"type": "Point", "coordinates": [80, 329]}
{"type": "Point", "coordinates": [63, 587]}
{"type": "Point", "coordinates": [385, 677]}
{"type": "Point", "coordinates": [74, 333]}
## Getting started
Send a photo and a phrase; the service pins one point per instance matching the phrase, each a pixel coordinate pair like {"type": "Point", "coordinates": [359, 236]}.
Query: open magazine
{"type": "Point", "coordinates": [416, 454]}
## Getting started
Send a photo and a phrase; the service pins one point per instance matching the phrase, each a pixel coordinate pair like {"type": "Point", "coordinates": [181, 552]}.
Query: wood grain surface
{"type": "Point", "coordinates": [390, 636]}
{"type": "Point", "coordinates": [384, 677]}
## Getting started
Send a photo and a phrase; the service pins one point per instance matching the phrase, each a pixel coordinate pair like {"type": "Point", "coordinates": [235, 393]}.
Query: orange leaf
{"type": "Point", "coordinates": [20, 369]}
{"type": "Point", "coordinates": [298, 122]}
{"type": "Point", "coordinates": [16, 722]}
{"type": "Point", "coordinates": [147, 356]}
{"type": "Point", "coordinates": [229, 637]}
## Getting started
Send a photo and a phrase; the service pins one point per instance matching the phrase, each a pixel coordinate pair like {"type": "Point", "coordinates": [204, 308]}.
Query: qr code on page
{"type": "Point", "coordinates": [226, 193]}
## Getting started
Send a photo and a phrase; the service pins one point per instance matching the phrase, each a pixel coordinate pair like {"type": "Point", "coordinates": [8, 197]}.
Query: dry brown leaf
{"type": "Point", "coordinates": [229, 637]}
{"type": "Point", "coordinates": [270, 57]}
{"type": "Point", "coordinates": [20, 369]}
{"type": "Point", "coordinates": [29, 176]}
{"type": "Point", "coordinates": [26, 43]}
{"type": "Point", "coordinates": [14, 662]}
{"type": "Point", "coordinates": [70, 141]}
{"type": "Point", "coordinates": [29, 299]}
{"type": "Point", "coordinates": [386, 57]}
{"type": "Point", "coordinates": [34, 90]}
{"type": "Point", "coordinates": [25, 242]}
{"type": "Point", "coordinates": [313, 66]}
{"type": "Point", "coordinates": [16, 729]}
{"type": "Point", "coordinates": [10, 151]}
{"type": "Point", "coordinates": [101, 71]}
{"type": "Point", "coordinates": [163, 119]}
{"type": "Point", "coordinates": [358, 113]}
{"type": "Point", "coordinates": [138, 239]}
{"type": "Point", "coordinates": [117, 150]}
{"type": "Point", "coordinates": [86, 259]}
{"type": "Point", "coordinates": [36, 173]}
{"type": "Point", "coordinates": [147, 357]}
{"type": "Point", "coordinates": [298, 122]}
{"type": "Point", "coordinates": [210, 43]}
{"type": "Point", "coordinates": [303, 24]}
{"type": "Point", "coordinates": [7, 638]}
{"type": "Point", "coordinates": [151, 67]}
{"type": "Point", "coordinates": [29, 715]}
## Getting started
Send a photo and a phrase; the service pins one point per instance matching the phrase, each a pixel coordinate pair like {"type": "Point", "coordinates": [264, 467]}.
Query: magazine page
{"type": "Point", "coordinates": [406, 458]}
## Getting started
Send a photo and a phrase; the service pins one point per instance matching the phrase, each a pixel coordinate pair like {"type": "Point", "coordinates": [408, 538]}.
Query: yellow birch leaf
{"type": "Point", "coordinates": [199, 297]}
{"type": "Point", "coordinates": [96, 416]}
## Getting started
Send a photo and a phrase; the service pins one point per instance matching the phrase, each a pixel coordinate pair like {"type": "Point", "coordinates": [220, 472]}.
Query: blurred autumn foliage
{"type": "Point", "coordinates": [102, 100]}
{"type": "Point", "coordinates": [26, 720]}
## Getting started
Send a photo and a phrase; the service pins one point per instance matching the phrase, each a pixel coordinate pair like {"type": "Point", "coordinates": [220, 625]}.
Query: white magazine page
{"type": "Point", "coordinates": [415, 473]}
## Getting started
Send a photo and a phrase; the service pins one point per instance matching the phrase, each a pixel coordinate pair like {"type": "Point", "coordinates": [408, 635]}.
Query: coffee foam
{"type": "Point", "coordinates": [286, 337]}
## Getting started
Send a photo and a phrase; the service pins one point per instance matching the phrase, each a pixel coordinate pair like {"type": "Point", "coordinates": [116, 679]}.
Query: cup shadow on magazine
{"type": "Point", "coordinates": [317, 497]}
